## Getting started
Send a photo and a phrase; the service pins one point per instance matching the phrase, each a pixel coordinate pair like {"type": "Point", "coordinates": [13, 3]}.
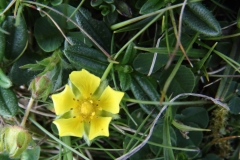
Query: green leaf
{"type": "Point", "coordinates": [111, 18]}
{"type": "Point", "coordinates": [157, 137]}
{"type": "Point", "coordinates": [189, 139]}
{"type": "Point", "coordinates": [17, 40]}
{"type": "Point", "coordinates": [135, 26]}
{"type": "Point", "coordinates": [142, 63]}
{"type": "Point", "coordinates": [5, 156]}
{"type": "Point", "coordinates": [197, 115]}
{"type": "Point", "coordinates": [200, 19]}
{"type": "Point", "coordinates": [234, 105]}
{"type": "Point", "coordinates": [211, 156]}
{"type": "Point", "coordinates": [56, 2]}
{"type": "Point", "coordinates": [2, 45]}
{"type": "Point", "coordinates": [96, 29]}
{"type": "Point", "coordinates": [5, 82]}
{"type": "Point", "coordinates": [183, 82]}
{"type": "Point", "coordinates": [8, 103]}
{"type": "Point", "coordinates": [95, 3]}
{"type": "Point", "coordinates": [109, 1]}
{"type": "Point", "coordinates": [186, 128]}
{"type": "Point", "coordinates": [67, 10]}
{"type": "Point", "coordinates": [195, 53]}
{"type": "Point", "coordinates": [152, 5]}
{"type": "Point", "coordinates": [78, 38]}
{"type": "Point", "coordinates": [143, 89]}
{"type": "Point", "coordinates": [88, 58]}
{"type": "Point", "coordinates": [144, 153]}
{"type": "Point", "coordinates": [32, 154]}
{"type": "Point", "coordinates": [125, 80]}
{"type": "Point", "coordinates": [22, 76]}
{"type": "Point", "coordinates": [129, 54]}
{"type": "Point", "coordinates": [47, 35]}
{"type": "Point", "coordinates": [123, 9]}
{"type": "Point", "coordinates": [238, 19]}
{"type": "Point", "coordinates": [139, 3]}
{"type": "Point", "coordinates": [167, 152]}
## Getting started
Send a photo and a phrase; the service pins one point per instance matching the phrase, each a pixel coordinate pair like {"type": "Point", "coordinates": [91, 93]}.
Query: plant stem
{"type": "Point", "coordinates": [27, 111]}
{"type": "Point", "coordinates": [165, 103]}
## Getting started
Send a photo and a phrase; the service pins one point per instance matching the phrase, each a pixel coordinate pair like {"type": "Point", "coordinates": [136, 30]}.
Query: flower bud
{"type": "Point", "coordinates": [41, 87]}
{"type": "Point", "coordinates": [16, 140]}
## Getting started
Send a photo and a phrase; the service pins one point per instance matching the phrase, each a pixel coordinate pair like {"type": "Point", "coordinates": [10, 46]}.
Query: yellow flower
{"type": "Point", "coordinates": [81, 112]}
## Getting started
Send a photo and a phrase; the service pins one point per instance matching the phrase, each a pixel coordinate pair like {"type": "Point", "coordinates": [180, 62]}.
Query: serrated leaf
{"type": "Point", "coordinates": [48, 36]}
{"type": "Point", "coordinates": [183, 82]}
{"type": "Point", "coordinates": [8, 103]}
{"type": "Point", "coordinates": [200, 19]}
{"type": "Point", "coordinates": [96, 29]}
{"type": "Point", "coordinates": [17, 40]}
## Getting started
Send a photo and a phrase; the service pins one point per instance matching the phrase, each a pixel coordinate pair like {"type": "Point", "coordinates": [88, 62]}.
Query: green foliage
{"type": "Point", "coordinates": [8, 102]}
{"type": "Point", "coordinates": [85, 57]}
{"type": "Point", "coordinates": [153, 5]}
{"type": "Point", "coordinates": [17, 39]}
{"type": "Point", "coordinates": [142, 63]}
{"type": "Point", "coordinates": [138, 47]}
{"type": "Point", "coordinates": [96, 29]}
{"type": "Point", "coordinates": [183, 81]}
{"type": "Point", "coordinates": [200, 19]}
{"type": "Point", "coordinates": [47, 35]}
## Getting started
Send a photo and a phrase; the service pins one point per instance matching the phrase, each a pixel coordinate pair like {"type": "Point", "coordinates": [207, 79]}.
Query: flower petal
{"type": "Point", "coordinates": [99, 127]}
{"type": "Point", "coordinates": [110, 99]}
{"type": "Point", "coordinates": [86, 82]}
{"type": "Point", "coordinates": [70, 127]}
{"type": "Point", "coordinates": [63, 101]}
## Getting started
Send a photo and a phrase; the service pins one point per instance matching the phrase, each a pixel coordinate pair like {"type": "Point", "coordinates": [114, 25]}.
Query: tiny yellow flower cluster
{"type": "Point", "coordinates": [80, 112]}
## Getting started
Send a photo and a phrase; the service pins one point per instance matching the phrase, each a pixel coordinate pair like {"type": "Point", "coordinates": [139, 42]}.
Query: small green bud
{"type": "Point", "coordinates": [41, 86]}
{"type": "Point", "coordinates": [16, 140]}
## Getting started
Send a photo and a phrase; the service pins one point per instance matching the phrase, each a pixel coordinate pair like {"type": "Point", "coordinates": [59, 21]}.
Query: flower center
{"type": "Point", "coordinates": [87, 108]}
